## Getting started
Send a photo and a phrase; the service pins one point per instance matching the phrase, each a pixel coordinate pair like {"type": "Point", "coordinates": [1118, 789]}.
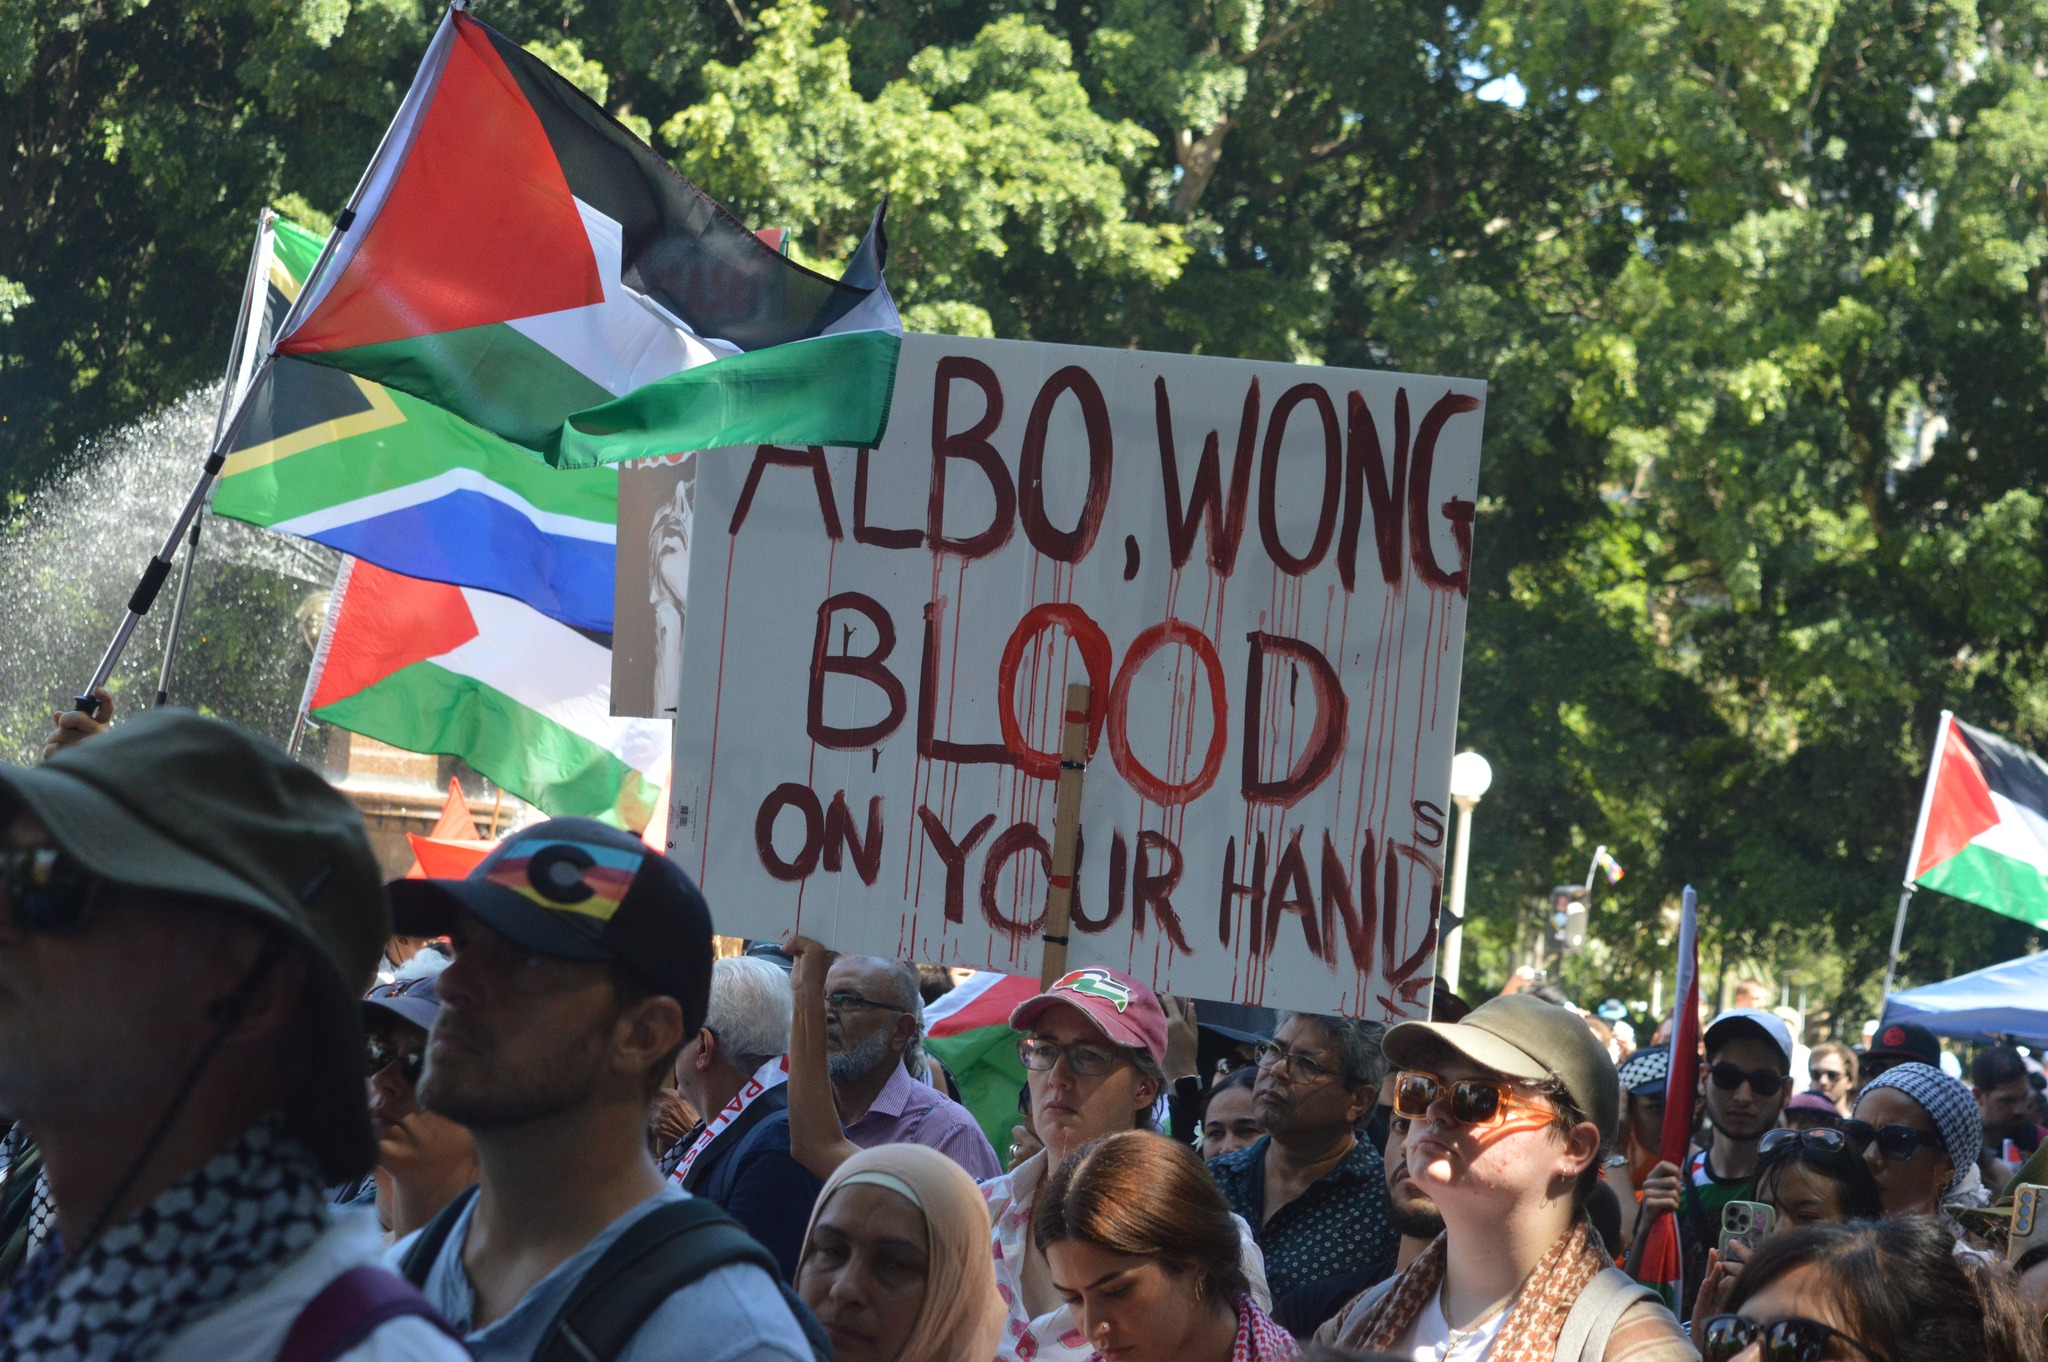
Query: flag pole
{"type": "Point", "coordinates": [320, 646]}
{"type": "Point", "coordinates": [159, 569]}
{"type": "Point", "coordinates": [241, 356]}
{"type": "Point", "coordinates": [1891, 968]}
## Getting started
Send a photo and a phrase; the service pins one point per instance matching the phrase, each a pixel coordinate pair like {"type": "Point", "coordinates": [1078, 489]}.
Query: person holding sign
{"type": "Point", "coordinates": [1144, 1250]}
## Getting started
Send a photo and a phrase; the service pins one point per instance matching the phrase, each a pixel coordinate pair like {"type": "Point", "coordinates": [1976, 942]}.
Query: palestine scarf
{"type": "Point", "coordinates": [222, 1232]}
{"type": "Point", "coordinates": [1536, 1315]}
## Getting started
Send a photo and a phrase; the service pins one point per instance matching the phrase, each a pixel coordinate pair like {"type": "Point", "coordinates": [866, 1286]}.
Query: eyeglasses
{"type": "Point", "coordinates": [1474, 1101]}
{"type": "Point", "coordinates": [47, 892]}
{"type": "Point", "coordinates": [1084, 1061]}
{"type": "Point", "coordinates": [1785, 1340]}
{"type": "Point", "coordinates": [1297, 1068]}
{"type": "Point", "coordinates": [1826, 1075]}
{"type": "Point", "coordinates": [381, 1056]}
{"type": "Point", "coordinates": [1899, 1144]}
{"type": "Point", "coordinates": [1762, 1082]}
{"type": "Point", "coordinates": [853, 1002]}
{"type": "Point", "coordinates": [1828, 1138]}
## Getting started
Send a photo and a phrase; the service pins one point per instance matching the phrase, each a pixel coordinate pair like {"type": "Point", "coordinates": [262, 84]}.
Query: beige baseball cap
{"type": "Point", "coordinates": [1521, 1036]}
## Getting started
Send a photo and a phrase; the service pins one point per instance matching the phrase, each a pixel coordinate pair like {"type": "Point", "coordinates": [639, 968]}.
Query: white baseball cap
{"type": "Point", "coordinates": [1772, 1025]}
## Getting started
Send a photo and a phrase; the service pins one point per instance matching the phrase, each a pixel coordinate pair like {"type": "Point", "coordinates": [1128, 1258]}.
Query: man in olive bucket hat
{"type": "Point", "coordinates": [189, 920]}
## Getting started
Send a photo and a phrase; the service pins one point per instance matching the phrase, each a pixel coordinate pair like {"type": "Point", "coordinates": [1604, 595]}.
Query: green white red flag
{"type": "Point", "coordinates": [517, 257]}
{"type": "Point", "coordinates": [1983, 830]}
{"type": "Point", "coordinates": [523, 698]}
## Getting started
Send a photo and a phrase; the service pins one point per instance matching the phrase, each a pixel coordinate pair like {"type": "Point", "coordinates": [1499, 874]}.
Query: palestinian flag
{"type": "Point", "coordinates": [1983, 832]}
{"type": "Point", "coordinates": [515, 256]}
{"type": "Point", "coordinates": [395, 481]}
{"type": "Point", "coordinates": [968, 1031]}
{"type": "Point", "coordinates": [524, 699]}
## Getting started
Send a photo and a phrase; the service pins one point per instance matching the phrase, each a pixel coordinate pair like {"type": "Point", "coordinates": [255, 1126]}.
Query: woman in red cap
{"type": "Point", "coordinates": [1094, 1046]}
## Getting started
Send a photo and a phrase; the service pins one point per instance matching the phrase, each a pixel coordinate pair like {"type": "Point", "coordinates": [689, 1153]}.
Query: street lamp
{"type": "Point", "coordinates": [1471, 777]}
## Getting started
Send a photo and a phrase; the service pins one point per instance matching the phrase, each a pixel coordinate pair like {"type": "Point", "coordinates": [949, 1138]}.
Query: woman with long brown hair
{"type": "Point", "coordinates": [1143, 1249]}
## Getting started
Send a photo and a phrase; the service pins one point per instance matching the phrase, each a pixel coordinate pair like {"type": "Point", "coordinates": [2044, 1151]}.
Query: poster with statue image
{"type": "Point", "coordinates": [651, 586]}
{"type": "Point", "coordinates": [1260, 570]}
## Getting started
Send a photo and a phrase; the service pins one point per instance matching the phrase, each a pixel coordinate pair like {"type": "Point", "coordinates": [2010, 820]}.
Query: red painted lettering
{"type": "Point", "coordinates": [1457, 510]}
{"type": "Point", "coordinates": [1095, 658]}
{"type": "Point", "coordinates": [867, 668]}
{"type": "Point", "coordinates": [971, 445]}
{"type": "Point", "coordinates": [842, 844]}
{"type": "Point", "coordinates": [801, 798]}
{"type": "Point", "coordinates": [1206, 505]}
{"type": "Point", "coordinates": [1066, 546]}
{"type": "Point", "coordinates": [774, 456]}
{"type": "Point", "coordinates": [1145, 782]}
{"type": "Point", "coordinates": [1326, 737]}
{"type": "Point", "coordinates": [954, 855]}
{"type": "Point", "coordinates": [1269, 479]}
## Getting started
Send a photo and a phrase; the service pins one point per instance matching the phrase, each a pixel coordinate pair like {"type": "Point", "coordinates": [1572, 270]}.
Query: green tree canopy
{"type": "Point", "coordinates": [1760, 288]}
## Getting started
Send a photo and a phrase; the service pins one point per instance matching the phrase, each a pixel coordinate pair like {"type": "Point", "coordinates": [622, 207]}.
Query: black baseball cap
{"type": "Point", "coordinates": [1905, 1042]}
{"type": "Point", "coordinates": [577, 889]}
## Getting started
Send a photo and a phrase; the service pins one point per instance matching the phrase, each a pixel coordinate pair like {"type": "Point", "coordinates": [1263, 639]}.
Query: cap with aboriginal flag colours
{"type": "Point", "coordinates": [576, 889]}
{"type": "Point", "coordinates": [1125, 1011]}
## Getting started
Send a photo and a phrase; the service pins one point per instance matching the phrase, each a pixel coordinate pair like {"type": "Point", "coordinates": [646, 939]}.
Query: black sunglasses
{"type": "Point", "coordinates": [1784, 1340]}
{"type": "Point", "coordinates": [380, 1055]}
{"type": "Point", "coordinates": [1762, 1082]}
{"type": "Point", "coordinates": [1897, 1143]}
{"type": "Point", "coordinates": [47, 892]}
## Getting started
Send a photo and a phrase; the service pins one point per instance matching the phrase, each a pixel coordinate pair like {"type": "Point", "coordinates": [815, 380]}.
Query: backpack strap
{"type": "Point", "coordinates": [1611, 1294]}
{"type": "Point", "coordinates": [662, 1252]}
{"type": "Point", "coordinates": [349, 1309]}
{"type": "Point", "coordinates": [426, 1247]}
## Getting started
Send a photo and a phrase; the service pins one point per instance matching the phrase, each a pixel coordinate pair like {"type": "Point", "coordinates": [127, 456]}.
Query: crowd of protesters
{"type": "Point", "coordinates": [265, 1106]}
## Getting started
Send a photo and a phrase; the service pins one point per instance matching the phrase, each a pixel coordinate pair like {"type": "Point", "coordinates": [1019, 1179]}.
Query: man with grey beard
{"type": "Point", "coordinates": [873, 1018]}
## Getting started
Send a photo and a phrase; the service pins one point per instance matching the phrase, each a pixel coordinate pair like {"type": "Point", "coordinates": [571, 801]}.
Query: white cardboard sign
{"type": "Point", "coordinates": [1260, 568]}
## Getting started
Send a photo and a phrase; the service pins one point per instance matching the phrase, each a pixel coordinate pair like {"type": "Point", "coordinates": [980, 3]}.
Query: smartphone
{"type": "Point", "coordinates": [1746, 1222]}
{"type": "Point", "coordinates": [2029, 1220]}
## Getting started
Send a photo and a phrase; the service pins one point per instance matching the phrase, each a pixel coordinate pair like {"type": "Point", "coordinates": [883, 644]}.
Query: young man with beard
{"type": "Point", "coordinates": [874, 1014]}
{"type": "Point", "coordinates": [1414, 1217]}
{"type": "Point", "coordinates": [189, 917]}
{"type": "Point", "coordinates": [1743, 1085]}
{"type": "Point", "coordinates": [582, 962]}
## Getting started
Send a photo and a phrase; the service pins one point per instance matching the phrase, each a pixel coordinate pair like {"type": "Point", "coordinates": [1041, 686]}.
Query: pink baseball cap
{"type": "Point", "coordinates": [1125, 1011]}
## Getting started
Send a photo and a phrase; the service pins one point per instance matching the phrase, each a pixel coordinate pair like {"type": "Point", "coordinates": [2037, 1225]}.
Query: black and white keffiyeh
{"type": "Point", "coordinates": [1950, 1105]}
{"type": "Point", "coordinates": [223, 1231]}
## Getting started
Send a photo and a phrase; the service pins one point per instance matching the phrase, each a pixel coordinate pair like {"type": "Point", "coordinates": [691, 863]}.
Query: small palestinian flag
{"type": "Point", "coordinates": [968, 1030]}
{"type": "Point", "coordinates": [517, 257]}
{"type": "Point", "coordinates": [524, 699]}
{"type": "Point", "coordinates": [1983, 833]}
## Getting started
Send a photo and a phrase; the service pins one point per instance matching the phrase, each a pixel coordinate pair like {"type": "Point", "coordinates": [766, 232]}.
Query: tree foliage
{"type": "Point", "coordinates": [1760, 288]}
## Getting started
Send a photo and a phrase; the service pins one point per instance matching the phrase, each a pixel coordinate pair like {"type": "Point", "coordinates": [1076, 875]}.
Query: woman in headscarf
{"type": "Point", "coordinates": [1919, 1130]}
{"type": "Point", "coordinates": [895, 1263]}
{"type": "Point", "coordinates": [1145, 1252]}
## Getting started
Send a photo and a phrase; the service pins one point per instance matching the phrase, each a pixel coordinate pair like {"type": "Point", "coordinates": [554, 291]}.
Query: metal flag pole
{"type": "Point", "coordinates": [394, 144]}
{"type": "Point", "coordinates": [1891, 969]}
{"type": "Point", "coordinates": [241, 358]}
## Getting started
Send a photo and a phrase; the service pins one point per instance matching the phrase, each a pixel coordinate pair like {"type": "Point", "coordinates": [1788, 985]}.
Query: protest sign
{"type": "Point", "coordinates": [1261, 569]}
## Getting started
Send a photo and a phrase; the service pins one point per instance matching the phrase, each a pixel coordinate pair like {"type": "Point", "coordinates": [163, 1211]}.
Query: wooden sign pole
{"type": "Point", "coordinates": [1066, 836]}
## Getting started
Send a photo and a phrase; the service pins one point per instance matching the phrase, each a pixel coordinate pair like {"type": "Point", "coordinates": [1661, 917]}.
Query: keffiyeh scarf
{"type": "Point", "coordinates": [223, 1231]}
{"type": "Point", "coordinates": [1536, 1315]}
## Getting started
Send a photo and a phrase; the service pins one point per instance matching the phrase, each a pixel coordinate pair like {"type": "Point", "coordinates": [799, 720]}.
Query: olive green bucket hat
{"type": "Point", "coordinates": [192, 808]}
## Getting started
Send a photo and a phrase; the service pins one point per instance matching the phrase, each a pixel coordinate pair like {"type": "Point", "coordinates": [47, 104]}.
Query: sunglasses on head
{"type": "Point", "coordinates": [47, 892]}
{"type": "Point", "coordinates": [1762, 1082]}
{"type": "Point", "coordinates": [1784, 1340]}
{"type": "Point", "coordinates": [1827, 1138]}
{"type": "Point", "coordinates": [381, 1054]}
{"type": "Point", "coordinates": [1897, 1143]}
{"type": "Point", "coordinates": [1473, 1101]}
